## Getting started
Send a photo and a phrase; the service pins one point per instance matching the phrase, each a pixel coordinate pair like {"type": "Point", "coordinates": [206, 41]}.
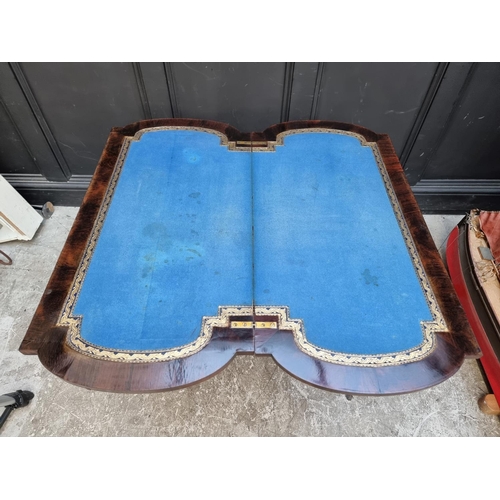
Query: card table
{"type": "Point", "coordinates": [196, 242]}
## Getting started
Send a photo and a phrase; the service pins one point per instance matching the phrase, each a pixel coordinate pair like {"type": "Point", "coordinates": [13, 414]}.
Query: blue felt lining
{"type": "Point", "coordinates": [327, 244]}
{"type": "Point", "coordinates": [177, 243]}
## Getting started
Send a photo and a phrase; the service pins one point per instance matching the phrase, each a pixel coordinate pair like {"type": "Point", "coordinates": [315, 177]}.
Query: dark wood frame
{"type": "Point", "coordinates": [48, 340]}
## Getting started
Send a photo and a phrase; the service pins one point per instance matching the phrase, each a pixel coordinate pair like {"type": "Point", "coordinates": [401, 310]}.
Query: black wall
{"type": "Point", "coordinates": [444, 119]}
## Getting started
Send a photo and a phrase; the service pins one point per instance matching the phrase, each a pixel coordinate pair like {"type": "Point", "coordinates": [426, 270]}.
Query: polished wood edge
{"type": "Point", "coordinates": [48, 340]}
{"type": "Point", "coordinates": [269, 134]}
{"type": "Point", "coordinates": [59, 284]}
{"type": "Point", "coordinates": [272, 132]}
{"type": "Point", "coordinates": [109, 376]}
{"type": "Point", "coordinates": [438, 366]}
{"type": "Point", "coordinates": [460, 334]}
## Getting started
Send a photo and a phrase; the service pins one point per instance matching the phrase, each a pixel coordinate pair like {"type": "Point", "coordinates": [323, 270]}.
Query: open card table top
{"type": "Point", "coordinates": [196, 242]}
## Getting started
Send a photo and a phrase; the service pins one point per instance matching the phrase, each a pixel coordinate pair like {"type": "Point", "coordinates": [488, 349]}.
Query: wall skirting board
{"type": "Point", "coordinates": [37, 190]}
{"type": "Point", "coordinates": [433, 195]}
{"type": "Point", "coordinates": [457, 195]}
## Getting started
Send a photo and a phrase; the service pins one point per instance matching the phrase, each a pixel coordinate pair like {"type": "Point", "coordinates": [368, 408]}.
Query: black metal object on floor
{"type": "Point", "coordinates": [12, 401]}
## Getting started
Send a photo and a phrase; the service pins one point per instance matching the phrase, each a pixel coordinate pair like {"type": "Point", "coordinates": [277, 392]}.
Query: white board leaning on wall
{"type": "Point", "coordinates": [18, 220]}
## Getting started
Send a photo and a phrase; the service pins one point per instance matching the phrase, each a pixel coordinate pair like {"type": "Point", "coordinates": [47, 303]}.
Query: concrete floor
{"type": "Point", "coordinates": [252, 396]}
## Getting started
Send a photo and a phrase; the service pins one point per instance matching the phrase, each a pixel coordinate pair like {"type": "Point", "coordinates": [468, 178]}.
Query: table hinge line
{"type": "Point", "coordinates": [252, 143]}
{"type": "Point", "coordinates": [254, 324]}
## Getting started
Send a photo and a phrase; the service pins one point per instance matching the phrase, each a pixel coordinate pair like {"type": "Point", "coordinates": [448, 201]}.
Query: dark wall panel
{"type": "Point", "coordinates": [304, 90]}
{"type": "Point", "coordinates": [437, 118]}
{"type": "Point", "coordinates": [443, 118]}
{"type": "Point", "coordinates": [384, 97]}
{"type": "Point", "coordinates": [81, 102]}
{"type": "Point", "coordinates": [14, 156]}
{"type": "Point", "coordinates": [27, 129]}
{"type": "Point", "coordinates": [470, 146]}
{"type": "Point", "coordinates": [156, 87]}
{"type": "Point", "coordinates": [246, 95]}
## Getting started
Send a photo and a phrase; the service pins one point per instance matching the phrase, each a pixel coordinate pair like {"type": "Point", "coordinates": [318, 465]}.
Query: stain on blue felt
{"type": "Point", "coordinates": [174, 239]}
{"type": "Point", "coordinates": [328, 245]}
{"type": "Point", "coordinates": [369, 279]}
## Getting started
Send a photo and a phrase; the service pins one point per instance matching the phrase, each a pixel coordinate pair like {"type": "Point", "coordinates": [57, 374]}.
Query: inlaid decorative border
{"type": "Point", "coordinates": [223, 319]}
{"type": "Point", "coordinates": [341, 358]}
{"type": "Point", "coordinates": [73, 322]}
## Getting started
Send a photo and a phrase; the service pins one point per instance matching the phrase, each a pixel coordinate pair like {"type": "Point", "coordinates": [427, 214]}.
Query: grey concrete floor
{"type": "Point", "coordinates": [252, 396]}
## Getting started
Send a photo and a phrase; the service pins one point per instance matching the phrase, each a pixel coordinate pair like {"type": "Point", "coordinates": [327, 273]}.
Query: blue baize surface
{"type": "Point", "coordinates": [177, 243]}
{"type": "Point", "coordinates": [327, 244]}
